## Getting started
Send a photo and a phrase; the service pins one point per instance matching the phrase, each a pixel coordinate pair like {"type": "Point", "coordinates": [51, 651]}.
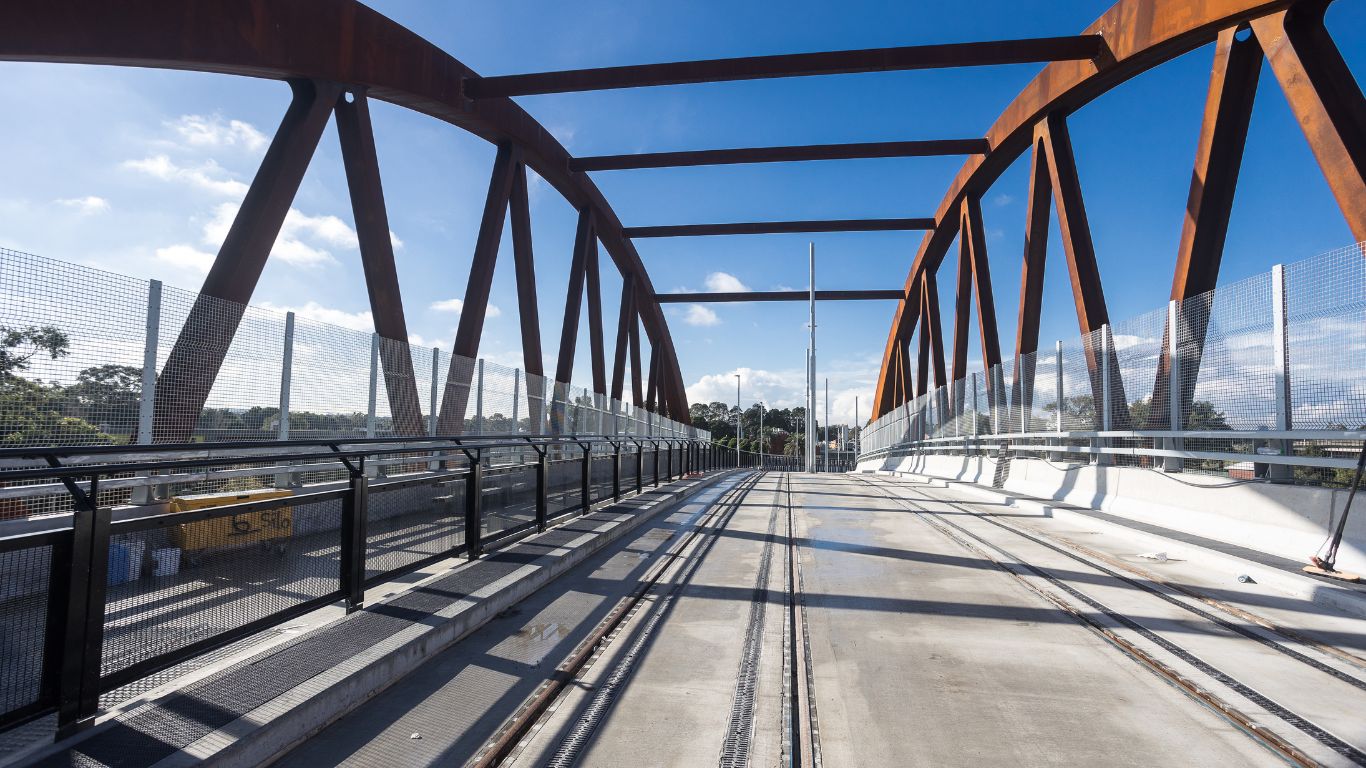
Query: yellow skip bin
{"type": "Point", "coordinates": [232, 530]}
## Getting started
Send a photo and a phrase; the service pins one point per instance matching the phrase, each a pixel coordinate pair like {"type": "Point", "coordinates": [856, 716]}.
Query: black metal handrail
{"type": "Point", "coordinates": [78, 554]}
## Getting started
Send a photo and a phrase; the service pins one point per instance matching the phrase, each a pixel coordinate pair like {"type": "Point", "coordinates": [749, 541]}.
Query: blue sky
{"type": "Point", "coordinates": [136, 171]}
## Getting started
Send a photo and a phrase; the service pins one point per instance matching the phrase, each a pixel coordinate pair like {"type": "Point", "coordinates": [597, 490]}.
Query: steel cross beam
{"type": "Point", "coordinates": [894, 294]}
{"type": "Point", "coordinates": [1079, 48]}
{"type": "Point", "coordinates": [855, 151]}
{"type": "Point", "coordinates": [780, 227]}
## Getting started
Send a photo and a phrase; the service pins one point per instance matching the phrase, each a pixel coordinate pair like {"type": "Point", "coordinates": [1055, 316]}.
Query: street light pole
{"type": "Point", "coordinates": [739, 416]}
{"type": "Point", "coordinates": [811, 366]}
{"type": "Point", "coordinates": [761, 434]}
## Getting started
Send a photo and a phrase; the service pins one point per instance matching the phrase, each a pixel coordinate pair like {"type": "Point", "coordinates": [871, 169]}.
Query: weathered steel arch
{"type": "Point", "coordinates": [341, 45]}
{"type": "Point", "coordinates": [1139, 35]}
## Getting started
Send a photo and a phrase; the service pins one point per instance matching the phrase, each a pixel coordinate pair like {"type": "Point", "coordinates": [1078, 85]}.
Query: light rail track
{"type": "Point", "coordinates": [1087, 610]}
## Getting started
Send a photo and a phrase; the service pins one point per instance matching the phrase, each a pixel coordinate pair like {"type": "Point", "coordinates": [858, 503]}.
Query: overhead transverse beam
{"type": "Point", "coordinates": [857, 151]}
{"type": "Point", "coordinates": [781, 227]}
{"type": "Point", "coordinates": [1082, 47]}
{"type": "Point", "coordinates": [895, 294]}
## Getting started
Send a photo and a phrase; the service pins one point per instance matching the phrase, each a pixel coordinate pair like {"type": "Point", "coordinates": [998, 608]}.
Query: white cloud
{"type": "Point", "coordinates": [724, 282]}
{"type": "Point", "coordinates": [289, 246]}
{"type": "Point", "coordinates": [419, 341]}
{"type": "Point", "coordinates": [393, 238]}
{"type": "Point", "coordinates": [700, 315]}
{"type": "Point", "coordinates": [85, 206]}
{"type": "Point", "coordinates": [356, 321]}
{"type": "Point", "coordinates": [186, 256]}
{"type": "Point", "coordinates": [849, 379]}
{"type": "Point", "coordinates": [215, 132]}
{"type": "Point", "coordinates": [456, 305]}
{"type": "Point", "coordinates": [1003, 199]}
{"type": "Point", "coordinates": [209, 176]}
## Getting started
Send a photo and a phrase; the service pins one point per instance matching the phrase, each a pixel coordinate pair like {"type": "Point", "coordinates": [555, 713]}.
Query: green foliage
{"type": "Point", "coordinates": [33, 416]}
{"type": "Point", "coordinates": [19, 345]}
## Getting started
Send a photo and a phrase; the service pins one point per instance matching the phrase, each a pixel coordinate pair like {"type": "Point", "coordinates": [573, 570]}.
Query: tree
{"type": "Point", "coordinates": [19, 345]}
{"type": "Point", "coordinates": [107, 395]}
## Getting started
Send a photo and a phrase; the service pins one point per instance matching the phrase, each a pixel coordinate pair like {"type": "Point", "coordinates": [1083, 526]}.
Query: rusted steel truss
{"type": "Point", "coordinates": [336, 56]}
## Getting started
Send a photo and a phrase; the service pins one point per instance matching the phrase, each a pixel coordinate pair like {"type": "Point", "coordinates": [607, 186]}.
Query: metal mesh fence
{"type": "Point", "coordinates": [1283, 352]}
{"type": "Point", "coordinates": [509, 499]}
{"type": "Point", "coordinates": [24, 593]}
{"type": "Point", "coordinates": [171, 586]}
{"type": "Point", "coordinates": [407, 522]}
{"type": "Point", "coordinates": [226, 371]}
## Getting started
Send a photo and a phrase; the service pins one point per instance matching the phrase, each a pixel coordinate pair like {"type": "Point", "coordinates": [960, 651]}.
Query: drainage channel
{"type": "Point", "coordinates": [801, 727]}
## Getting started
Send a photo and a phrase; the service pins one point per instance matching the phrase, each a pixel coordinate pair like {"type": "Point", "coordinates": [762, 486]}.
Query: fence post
{"type": "Point", "coordinates": [147, 402]}
{"type": "Point", "coordinates": [479, 400]}
{"type": "Point", "coordinates": [148, 395]}
{"type": "Point", "coordinates": [285, 479]}
{"type": "Point", "coordinates": [354, 506]}
{"type": "Point", "coordinates": [370, 417]}
{"type": "Point", "coordinates": [541, 490]}
{"type": "Point", "coordinates": [1281, 349]}
{"type": "Point", "coordinates": [1174, 391]}
{"type": "Point", "coordinates": [433, 406]}
{"type": "Point", "coordinates": [1058, 347]}
{"type": "Point", "coordinates": [474, 506]}
{"type": "Point", "coordinates": [1103, 407]}
{"type": "Point", "coordinates": [640, 458]}
{"type": "Point", "coordinates": [76, 672]}
{"type": "Point", "coordinates": [656, 463]}
{"type": "Point", "coordinates": [585, 492]}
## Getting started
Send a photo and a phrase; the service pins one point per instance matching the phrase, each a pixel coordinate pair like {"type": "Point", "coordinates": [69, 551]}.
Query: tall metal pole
{"type": "Point", "coordinates": [811, 365]}
{"type": "Point", "coordinates": [739, 416]}
{"type": "Point", "coordinates": [827, 425]}
{"type": "Point", "coordinates": [761, 434]}
{"type": "Point", "coordinates": [858, 436]}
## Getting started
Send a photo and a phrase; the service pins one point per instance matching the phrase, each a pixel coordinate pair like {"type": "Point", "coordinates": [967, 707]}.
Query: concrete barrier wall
{"type": "Point", "coordinates": [1285, 520]}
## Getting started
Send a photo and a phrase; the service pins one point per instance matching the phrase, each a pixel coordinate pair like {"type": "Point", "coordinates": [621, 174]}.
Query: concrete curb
{"type": "Point", "coordinates": [1302, 587]}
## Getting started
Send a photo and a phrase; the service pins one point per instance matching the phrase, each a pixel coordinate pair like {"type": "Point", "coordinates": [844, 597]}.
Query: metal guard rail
{"type": "Point", "coordinates": [72, 673]}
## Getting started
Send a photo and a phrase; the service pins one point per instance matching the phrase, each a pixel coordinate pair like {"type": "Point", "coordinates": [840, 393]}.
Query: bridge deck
{"type": "Point", "coordinates": [925, 628]}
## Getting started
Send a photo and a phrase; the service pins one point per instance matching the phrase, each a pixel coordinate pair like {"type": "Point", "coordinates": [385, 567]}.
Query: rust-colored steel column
{"type": "Point", "coordinates": [525, 264]}
{"type": "Point", "coordinates": [1325, 98]}
{"type": "Point", "coordinates": [569, 330]}
{"type": "Point", "coordinates": [1218, 158]}
{"type": "Point", "coordinates": [962, 303]}
{"type": "Point", "coordinates": [932, 324]}
{"type": "Point", "coordinates": [595, 343]}
{"type": "Point", "coordinates": [652, 381]}
{"type": "Point", "coordinates": [626, 317]}
{"type": "Point", "coordinates": [471, 328]}
{"type": "Point", "coordinates": [975, 235]}
{"type": "Point", "coordinates": [1035, 251]}
{"type": "Point", "coordinates": [198, 353]}
{"type": "Point", "coordinates": [1087, 292]}
{"type": "Point", "coordinates": [637, 391]}
{"type": "Point", "coordinates": [357, 139]}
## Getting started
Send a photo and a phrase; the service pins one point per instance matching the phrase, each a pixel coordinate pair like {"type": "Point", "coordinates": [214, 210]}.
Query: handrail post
{"type": "Point", "coordinates": [656, 445]}
{"type": "Point", "coordinates": [616, 472]}
{"type": "Point", "coordinates": [474, 506]}
{"type": "Point", "coordinates": [640, 471]}
{"type": "Point", "coordinates": [585, 492]}
{"type": "Point", "coordinates": [354, 512]}
{"type": "Point", "coordinates": [74, 673]}
{"type": "Point", "coordinates": [541, 506]}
